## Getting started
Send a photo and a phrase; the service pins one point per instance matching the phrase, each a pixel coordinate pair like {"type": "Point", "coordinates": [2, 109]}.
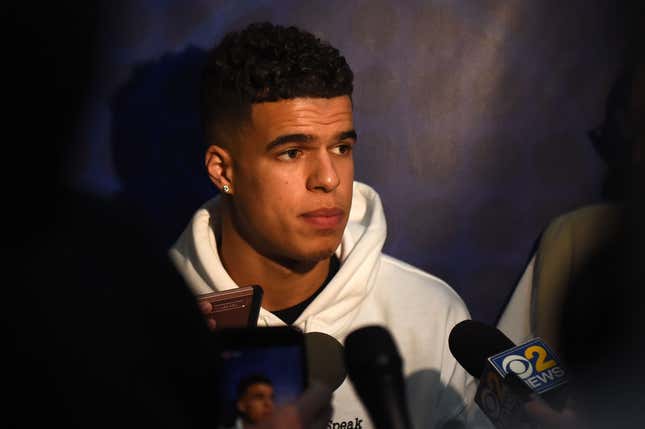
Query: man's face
{"type": "Point", "coordinates": [292, 173]}
{"type": "Point", "coordinates": [257, 402]}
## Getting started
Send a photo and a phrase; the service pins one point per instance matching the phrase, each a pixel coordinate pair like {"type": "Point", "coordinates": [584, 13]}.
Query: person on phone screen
{"type": "Point", "coordinates": [255, 398]}
{"type": "Point", "coordinates": [277, 115]}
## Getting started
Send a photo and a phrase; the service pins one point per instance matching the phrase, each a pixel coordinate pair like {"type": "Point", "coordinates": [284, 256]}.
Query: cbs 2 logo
{"type": "Point", "coordinates": [522, 365]}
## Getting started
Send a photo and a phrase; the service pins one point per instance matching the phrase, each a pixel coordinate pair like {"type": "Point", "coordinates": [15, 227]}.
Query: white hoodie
{"type": "Point", "coordinates": [369, 288]}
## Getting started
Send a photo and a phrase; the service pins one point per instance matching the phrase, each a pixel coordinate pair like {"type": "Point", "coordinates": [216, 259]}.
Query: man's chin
{"type": "Point", "coordinates": [305, 260]}
{"type": "Point", "coordinates": [320, 255]}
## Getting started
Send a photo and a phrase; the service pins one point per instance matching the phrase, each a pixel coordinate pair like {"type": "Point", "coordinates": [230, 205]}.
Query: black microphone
{"type": "Point", "coordinates": [472, 343]}
{"type": "Point", "coordinates": [325, 361]}
{"type": "Point", "coordinates": [374, 368]}
{"type": "Point", "coordinates": [515, 375]}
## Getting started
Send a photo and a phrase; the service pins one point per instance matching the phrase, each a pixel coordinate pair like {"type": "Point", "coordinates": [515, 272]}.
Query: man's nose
{"type": "Point", "coordinates": [322, 174]}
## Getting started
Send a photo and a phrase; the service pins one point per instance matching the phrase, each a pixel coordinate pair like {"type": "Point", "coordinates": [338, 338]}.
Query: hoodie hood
{"type": "Point", "coordinates": [196, 257]}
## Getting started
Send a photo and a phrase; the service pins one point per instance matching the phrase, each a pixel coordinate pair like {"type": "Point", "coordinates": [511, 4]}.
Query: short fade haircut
{"type": "Point", "coordinates": [262, 63]}
{"type": "Point", "coordinates": [249, 381]}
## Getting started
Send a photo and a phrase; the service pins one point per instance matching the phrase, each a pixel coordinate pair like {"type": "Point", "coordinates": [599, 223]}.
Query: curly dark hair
{"type": "Point", "coordinates": [267, 62]}
{"type": "Point", "coordinates": [249, 381]}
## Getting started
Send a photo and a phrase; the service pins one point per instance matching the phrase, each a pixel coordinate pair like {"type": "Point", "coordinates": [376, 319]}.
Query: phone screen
{"type": "Point", "coordinates": [259, 370]}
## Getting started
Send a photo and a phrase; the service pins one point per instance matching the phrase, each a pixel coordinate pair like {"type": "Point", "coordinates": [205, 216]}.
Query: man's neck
{"type": "Point", "coordinates": [284, 284]}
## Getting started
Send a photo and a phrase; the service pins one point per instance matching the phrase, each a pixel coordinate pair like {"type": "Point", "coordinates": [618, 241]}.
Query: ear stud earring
{"type": "Point", "coordinates": [226, 189]}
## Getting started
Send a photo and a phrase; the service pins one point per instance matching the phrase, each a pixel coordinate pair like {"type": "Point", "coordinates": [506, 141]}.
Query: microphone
{"type": "Point", "coordinates": [472, 343]}
{"type": "Point", "coordinates": [374, 368]}
{"type": "Point", "coordinates": [325, 361]}
{"type": "Point", "coordinates": [509, 375]}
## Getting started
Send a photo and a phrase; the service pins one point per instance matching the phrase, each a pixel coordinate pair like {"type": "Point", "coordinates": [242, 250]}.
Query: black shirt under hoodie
{"type": "Point", "coordinates": [290, 314]}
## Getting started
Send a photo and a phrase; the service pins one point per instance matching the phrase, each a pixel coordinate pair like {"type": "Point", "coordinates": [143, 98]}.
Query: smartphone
{"type": "Point", "coordinates": [258, 370]}
{"type": "Point", "coordinates": [232, 308]}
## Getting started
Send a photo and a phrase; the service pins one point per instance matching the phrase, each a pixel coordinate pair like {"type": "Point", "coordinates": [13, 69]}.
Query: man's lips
{"type": "Point", "coordinates": [324, 218]}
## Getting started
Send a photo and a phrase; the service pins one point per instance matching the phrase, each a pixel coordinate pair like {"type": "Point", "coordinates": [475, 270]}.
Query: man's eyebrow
{"type": "Point", "coordinates": [351, 134]}
{"type": "Point", "coordinates": [289, 138]}
{"type": "Point", "coordinates": [306, 138]}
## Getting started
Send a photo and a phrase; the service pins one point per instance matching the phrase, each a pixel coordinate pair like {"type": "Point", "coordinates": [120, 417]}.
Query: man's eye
{"type": "Point", "coordinates": [290, 154]}
{"type": "Point", "coordinates": [342, 149]}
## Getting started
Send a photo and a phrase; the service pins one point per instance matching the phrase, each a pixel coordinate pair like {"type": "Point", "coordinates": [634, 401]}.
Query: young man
{"type": "Point", "coordinates": [254, 400]}
{"type": "Point", "coordinates": [277, 113]}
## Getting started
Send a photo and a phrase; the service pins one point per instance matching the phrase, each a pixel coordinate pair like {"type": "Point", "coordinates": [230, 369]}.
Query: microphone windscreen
{"type": "Point", "coordinates": [374, 367]}
{"type": "Point", "coordinates": [325, 359]}
{"type": "Point", "coordinates": [472, 343]}
{"type": "Point", "coordinates": [371, 348]}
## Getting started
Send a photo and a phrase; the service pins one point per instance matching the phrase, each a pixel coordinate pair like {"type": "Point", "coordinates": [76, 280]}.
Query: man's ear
{"type": "Point", "coordinates": [241, 407]}
{"type": "Point", "coordinates": [219, 165]}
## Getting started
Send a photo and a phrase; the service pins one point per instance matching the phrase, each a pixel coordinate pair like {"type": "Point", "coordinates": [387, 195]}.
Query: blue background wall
{"type": "Point", "coordinates": [472, 117]}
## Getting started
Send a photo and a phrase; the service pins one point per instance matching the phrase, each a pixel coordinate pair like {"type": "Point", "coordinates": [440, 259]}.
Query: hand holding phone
{"type": "Point", "coordinates": [233, 308]}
